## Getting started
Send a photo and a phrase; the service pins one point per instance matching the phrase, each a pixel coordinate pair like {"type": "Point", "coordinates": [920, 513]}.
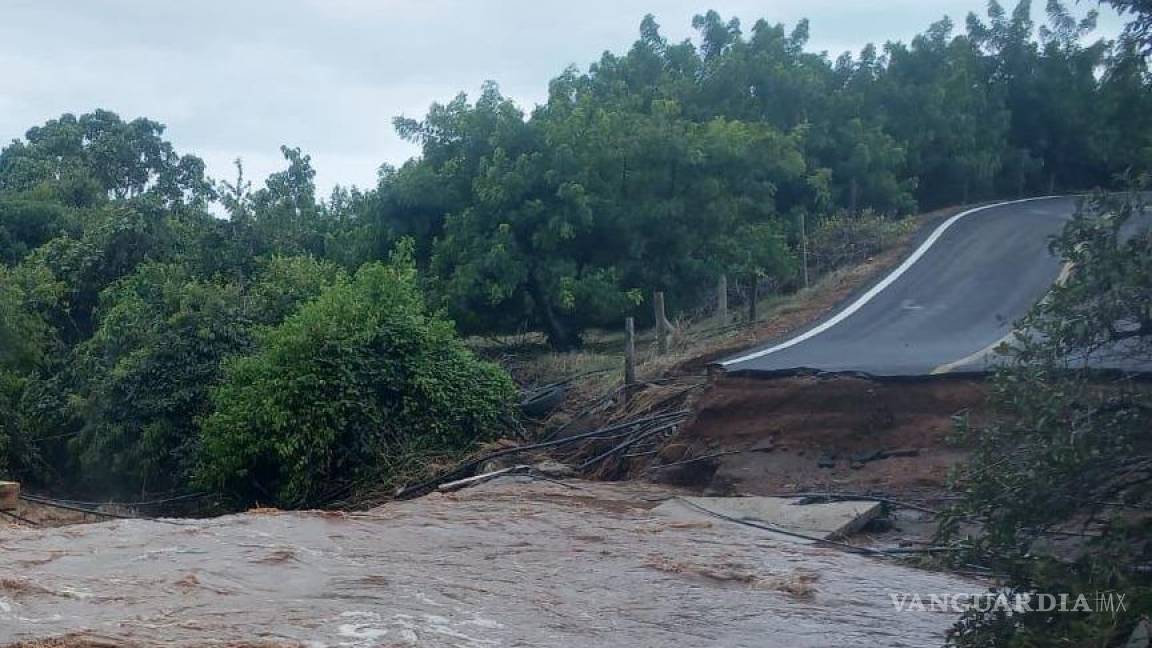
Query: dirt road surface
{"type": "Point", "coordinates": [500, 565]}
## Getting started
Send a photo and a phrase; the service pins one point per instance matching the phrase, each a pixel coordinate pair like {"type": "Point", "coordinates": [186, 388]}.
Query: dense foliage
{"type": "Point", "coordinates": [147, 343]}
{"type": "Point", "coordinates": [658, 168]}
{"type": "Point", "coordinates": [1069, 454]}
{"type": "Point", "coordinates": [360, 373]}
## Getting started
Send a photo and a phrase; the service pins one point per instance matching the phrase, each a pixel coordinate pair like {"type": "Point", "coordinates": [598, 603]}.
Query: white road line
{"type": "Point", "coordinates": [878, 288]}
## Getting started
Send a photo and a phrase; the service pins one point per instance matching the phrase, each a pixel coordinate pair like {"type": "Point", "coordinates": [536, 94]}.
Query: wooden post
{"type": "Point", "coordinates": [753, 298]}
{"type": "Point", "coordinates": [629, 353]}
{"type": "Point", "coordinates": [804, 245]}
{"type": "Point", "coordinates": [661, 323]}
{"type": "Point", "coordinates": [722, 300]}
{"type": "Point", "coordinates": [1023, 173]}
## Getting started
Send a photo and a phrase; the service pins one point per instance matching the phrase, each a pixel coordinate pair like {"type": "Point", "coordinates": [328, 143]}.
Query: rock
{"type": "Point", "coordinates": [827, 461]}
{"type": "Point", "coordinates": [673, 452]}
{"type": "Point", "coordinates": [878, 525]}
{"type": "Point", "coordinates": [764, 445]}
{"type": "Point", "coordinates": [900, 452]}
{"type": "Point", "coordinates": [554, 469]}
{"type": "Point", "coordinates": [499, 463]}
{"type": "Point", "coordinates": [866, 456]}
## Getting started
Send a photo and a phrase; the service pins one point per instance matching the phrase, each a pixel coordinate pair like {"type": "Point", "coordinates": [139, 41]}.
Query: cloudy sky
{"type": "Point", "coordinates": [238, 78]}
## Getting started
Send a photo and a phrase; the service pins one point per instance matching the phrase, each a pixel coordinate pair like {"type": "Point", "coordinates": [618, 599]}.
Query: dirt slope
{"type": "Point", "coordinates": [815, 433]}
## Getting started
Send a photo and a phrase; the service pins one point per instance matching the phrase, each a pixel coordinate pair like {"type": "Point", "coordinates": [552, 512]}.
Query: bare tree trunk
{"type": "Point", "coordinates": [661, 323]}
{"type": "Point", "coordinates": [753, 299]}
{"type": "Point", "coordinates": [629, 353]}
{"type": "Point", "coordinates": [722, 299]}
{"type": "Point", "coordinates": [561, 337]}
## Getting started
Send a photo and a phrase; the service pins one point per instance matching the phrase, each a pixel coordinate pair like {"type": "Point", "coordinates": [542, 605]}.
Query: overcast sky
{"type": "Point", "coordinates": [238, 78]}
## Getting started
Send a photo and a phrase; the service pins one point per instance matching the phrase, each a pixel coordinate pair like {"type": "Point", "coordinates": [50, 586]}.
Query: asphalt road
{"type": "Point", "coordinates": [944, 309]}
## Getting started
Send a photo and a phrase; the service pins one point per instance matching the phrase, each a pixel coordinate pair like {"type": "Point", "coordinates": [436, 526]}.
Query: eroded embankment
{"type": "Point", "coordinates": [501, 564]}
{"type": "Point", "coordinates": [832, 432]}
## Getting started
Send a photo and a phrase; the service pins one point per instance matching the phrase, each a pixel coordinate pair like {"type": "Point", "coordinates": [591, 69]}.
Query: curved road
{"type": "Point", "coordinates": [942, 310]}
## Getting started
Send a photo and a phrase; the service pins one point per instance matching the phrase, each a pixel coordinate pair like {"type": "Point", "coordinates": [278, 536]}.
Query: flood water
{"type": "Point", "coordinates": [498, 565]}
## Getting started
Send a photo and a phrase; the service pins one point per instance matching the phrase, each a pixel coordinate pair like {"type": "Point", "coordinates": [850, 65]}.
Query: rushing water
{"type": "Point", "coordinates": [498, 565]}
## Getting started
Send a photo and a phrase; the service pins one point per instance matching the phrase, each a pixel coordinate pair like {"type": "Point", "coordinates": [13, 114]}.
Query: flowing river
{"type": "Point", "coordinates": [499, 565]}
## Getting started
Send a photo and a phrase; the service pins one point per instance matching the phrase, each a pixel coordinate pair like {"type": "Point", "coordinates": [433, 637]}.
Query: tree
{"type": "Point", "coordinates": [285, 217]}
{"type": "Point", "coordinates": [142, 380]}
{"type": "Point", "coordinates": [27, 224]}
{"type": "Point", "coordinates": [1139, 30]}
{"type": "Point", "coordinates": [1070, 449]}
{"type": "Point", "coordinates": [360, 377]}
{"type": "Point", "coordinates": [98, 155]}
{"type": "Point", "coordinates": [609, 203]}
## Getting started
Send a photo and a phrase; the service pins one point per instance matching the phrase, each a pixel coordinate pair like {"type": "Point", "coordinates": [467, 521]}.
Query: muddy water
{"type": "Point", "coordinates": [501, 565]}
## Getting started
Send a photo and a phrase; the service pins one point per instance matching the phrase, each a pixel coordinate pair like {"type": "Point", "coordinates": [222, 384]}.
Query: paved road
{"type": "Point", "coordinates": [944, 308]}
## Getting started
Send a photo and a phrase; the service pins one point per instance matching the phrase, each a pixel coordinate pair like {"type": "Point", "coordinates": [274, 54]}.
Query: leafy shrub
{"type": "Point", "coordinates": [843, 239]}
{"type": "Point", "coordinates": [1070, 452]}
{"type": "Point", "coordinates": [359, 373]}
{"type": "Point", "coordinates": [142, 378]}
{"type": "Point", "coordinates": [141, 381]}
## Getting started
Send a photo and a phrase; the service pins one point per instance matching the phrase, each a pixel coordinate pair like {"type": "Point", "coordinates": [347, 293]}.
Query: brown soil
{"type": "Point", "coordinates": [772, 435]}
{"type": "Point", "coordinates": [31, 514]}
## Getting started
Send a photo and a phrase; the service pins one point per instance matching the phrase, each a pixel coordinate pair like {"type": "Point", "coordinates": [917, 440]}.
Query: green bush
{"type": "Point", "coordinates": [1060, 482]}
{"type": "Point", "coordinates": [842, 239]}
{"type": "Point", "coordinates": [331, 395]}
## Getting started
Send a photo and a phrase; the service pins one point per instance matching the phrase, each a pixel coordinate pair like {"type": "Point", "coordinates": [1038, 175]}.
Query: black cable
{"type": "Point", "coordinates": [19, 517]}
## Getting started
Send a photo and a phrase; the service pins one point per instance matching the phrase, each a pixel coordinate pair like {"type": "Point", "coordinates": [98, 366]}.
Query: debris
{"type": "Point", "coordinates": [9, 495]}
{"type": "Point", "coordinates": [637, 429]}
{"type": "Point", "coordinates": [901, 452]}
{"type": "Point", "coordinates": [819, 521]}
{"type": "Point", "coordinates": [673, 452]}
{"type": "Point", "coordinates": [541, 402]}
{"type": "Point", "coordinates": [866, 456]}
{"type": "Point", "coordinates": [879, 525]}
{"type": "Point", "coordinates": [477, 479]}
{"type": "Point", "coordinates": [764, 445]}
{"type": "Point", "coordinates": [554, 469]}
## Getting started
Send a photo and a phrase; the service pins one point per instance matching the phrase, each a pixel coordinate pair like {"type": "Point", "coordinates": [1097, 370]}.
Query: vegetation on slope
{"type": "Point", "coordinates": [149, 347]}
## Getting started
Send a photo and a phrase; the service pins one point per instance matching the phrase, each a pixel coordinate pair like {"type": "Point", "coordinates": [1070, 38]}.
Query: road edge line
{"type": "Point", "coordinates": [880, 286]}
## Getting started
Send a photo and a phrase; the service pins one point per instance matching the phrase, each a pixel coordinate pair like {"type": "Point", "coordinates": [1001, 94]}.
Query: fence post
{"type": "Point", "coordinates": [753, 298]}
{"type": "Point", "coordinates": [629, 355]}
{"type": "Point", "coordinates": [804, 245]}
{"type": "Point", "coordinates": [661, 323]}
{"type": "Point", "coordinates": [722, 299]}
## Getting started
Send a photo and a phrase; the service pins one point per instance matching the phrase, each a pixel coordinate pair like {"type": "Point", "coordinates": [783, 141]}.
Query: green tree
{"type": "Point", "coordinates": [98, 155]}
{"type": "Point", "coordinates": [359, 377]}
{"type": "Point", "coordinates": [142, 378]}
{"type": "Point", "coordinates": [1069, 450]}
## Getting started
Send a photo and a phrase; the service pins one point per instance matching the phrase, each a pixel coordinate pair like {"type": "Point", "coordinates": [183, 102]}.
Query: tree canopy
{"type": "Point", "coordinates": [160, 329]}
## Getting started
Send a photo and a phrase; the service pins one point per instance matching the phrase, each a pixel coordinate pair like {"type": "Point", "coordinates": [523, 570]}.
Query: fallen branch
{"type": "Point", "coordinates": [478, 479]}
{"type": "Point", "coordinates": [627, 444]}
{"type": "Point", "coordinates": [427, 485]}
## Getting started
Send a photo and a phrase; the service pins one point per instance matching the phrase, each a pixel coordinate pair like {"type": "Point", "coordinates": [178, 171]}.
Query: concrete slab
{"type": "Point", "coordinates": [825, 521]}
{"type": "Point", "coordinates": [9, 495]}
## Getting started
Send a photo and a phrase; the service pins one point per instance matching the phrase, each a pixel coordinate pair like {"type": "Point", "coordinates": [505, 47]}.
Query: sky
{"type": "Point", "coordinates": [239, 78]}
